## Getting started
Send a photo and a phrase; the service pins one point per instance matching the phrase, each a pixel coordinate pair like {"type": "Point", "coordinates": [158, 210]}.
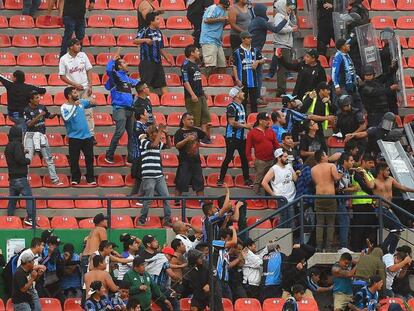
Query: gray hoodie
{"type": "Point", "coordinates": [284, 38]}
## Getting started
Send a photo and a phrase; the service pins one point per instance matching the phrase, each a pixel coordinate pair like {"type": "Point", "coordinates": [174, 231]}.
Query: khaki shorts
{"type": "Point", "coordinates": [213, 55]}
{"type": "Point", "coordinates": [341, 301]}
{"type": "Point", "coordinates": [199, 110]}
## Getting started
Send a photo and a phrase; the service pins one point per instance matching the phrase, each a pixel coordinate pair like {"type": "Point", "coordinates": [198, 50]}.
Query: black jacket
{"type": "Point", "coordinates": [308, 76]}
{"type": "Point", "coordinates": [290, 274]}
{"type": "Point", "coordinates": [374, 94]}
{"type": "Point", "coordinates": [18, 94]}
{"type": "Point", "coordinates": [17, 163]}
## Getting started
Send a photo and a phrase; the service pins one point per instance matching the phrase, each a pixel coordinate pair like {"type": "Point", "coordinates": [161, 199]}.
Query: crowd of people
{"type": "Point", "coordinates": [287, 148]}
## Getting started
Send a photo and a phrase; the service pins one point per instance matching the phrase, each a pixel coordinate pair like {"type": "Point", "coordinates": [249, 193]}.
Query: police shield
{"type": "Point", "coordinates": [395, 50]}
{"type": "Point", "coordinates": [340, 9]}
{"type": "Point", "coordinates": [311, 11]}
{"type": "Point", "coordinates": [368, 48]}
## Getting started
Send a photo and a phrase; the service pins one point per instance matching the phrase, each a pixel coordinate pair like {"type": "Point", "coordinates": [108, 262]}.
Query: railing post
{"type": "Point", "coordinates": [109, 212]}
{"type": "Point", "coordinates": [210, 264]}
{"type": "Point", "coordinates": [301, 222]}
{"type": "Point", "coordinates": [183, 210]}
{"type": "Point", "coordinates": [380, 221]}
{"type": "Point", "coordinates": [34, 220]}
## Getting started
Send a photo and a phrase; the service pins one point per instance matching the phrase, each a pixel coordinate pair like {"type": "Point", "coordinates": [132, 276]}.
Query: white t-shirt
{"type": "Point", "coordinates": [282, 184]}
{"type": "Point", "coordinates": [388, 260]}
{"type": "Point", "coordinates": [187, 242]}
{"type": "Point", "coordinates": [124, 268]}
{"type": "Point", "coordinates": [75, 68]}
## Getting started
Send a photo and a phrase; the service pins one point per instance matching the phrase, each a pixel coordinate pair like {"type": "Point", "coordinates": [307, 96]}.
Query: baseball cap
{"type": "Point", "coordinates": [286, 98]}
{"type": "Point", "coordinates": [245, 34]}
{"type": "Point", "coordinates": [99, 218]}
{"type": "Point", "coordinates": [278, 153]}
{"type": "Point", "coordinates": [313, 52]}
{"type": "Point", "coordinates": [72, 42]}
{"type": "Point", "coordinates": [234, 91]}
{"type": "Point", "coordinates": [27, 257]}
{"type": "Point", "coordinates": [138, 261]}
{"type": "Point", "coordinates": [262, 116]}
{"type": "Point", "coordinates": [168, 251]}
{"type": "Point", "coordinates": [147, 239]}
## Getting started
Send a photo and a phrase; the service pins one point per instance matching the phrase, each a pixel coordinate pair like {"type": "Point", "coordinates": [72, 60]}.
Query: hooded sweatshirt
{"type": "Point", "coordinates": [260, 25]}
{"type": "Point", "coordinates": [284, 38]}
{"type": "Point", "coordinates": [15, 156]}
{"type": "Point", "coordinates": [370, 265]}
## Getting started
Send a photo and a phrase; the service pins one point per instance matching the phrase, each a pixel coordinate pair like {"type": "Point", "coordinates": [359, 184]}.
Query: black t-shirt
{"type": "Point", "coordinates": [144, 254]}
{"type": "Point", "coordinates": [20, 279]}
{"type": "Point", "coordinates": [146, 103]}
{"type": "Point", "coordinates": [190, 72]}
{"type": "Point", "coordinates": [75, 8]}
{"type": "Point", "coordinates": [190, 151]}
{"type": "Point", "coordinates": [30, 113]}
{"type": "Point", "coordinates": [312, 144]}
{"type": "Point", "coordinates": [349, 122]}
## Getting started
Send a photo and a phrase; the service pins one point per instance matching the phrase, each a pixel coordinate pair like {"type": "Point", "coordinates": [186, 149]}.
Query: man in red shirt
{"type": "Point", "coordinates": [263, 139]}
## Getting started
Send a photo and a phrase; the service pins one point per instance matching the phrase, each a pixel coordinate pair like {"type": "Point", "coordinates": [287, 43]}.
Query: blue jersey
{"type": "Point", "coordinates": [75, 119]}
{"type": "Point", "coordinates": [365, 299]}
{"type": "Point", "coordinates": [151, 52]}
{"type": "Point", "coordinates": [343, 71]}
{"type": "Point", "coordinates": [271, 269]}
{"type": "Point", "coordinates": [243, 60]}
{"type": "Point", "coordinates": [212, 33]}
{"type": "Point", "coordinates": [222, 260]}
{"type": "Point", "coordinates": [140, 128]}
{"type": "Point", "coordinates": [236, 111]}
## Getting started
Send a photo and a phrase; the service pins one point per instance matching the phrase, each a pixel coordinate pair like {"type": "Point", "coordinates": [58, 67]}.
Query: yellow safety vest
{"type": "Point", "coordinates": [360, 201]}
{"type": "Point", "coordinates": [312, 108]}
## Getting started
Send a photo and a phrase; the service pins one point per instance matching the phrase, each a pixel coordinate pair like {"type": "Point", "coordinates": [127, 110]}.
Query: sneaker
{"type": "Point", "coordinates": [220, 182]}
{"type": "Point", "coordinates": [206, 141]}
{"type": "Point", "coordinates": [138, 204]}
{"type": "Point", "coordinates": [141, 221]}
{"type": "Point", "coordinates": [57, 182]}
{"type": "Point", "coordinates": [28, 221]}
{"type": "Point", "coordinates": [109, 160]}
{"type": "Point", "coordinates": [92, 183]}
{"type": "Point", "coordinates": [248, 182]}
{"type": "Point", "coordinates": [167, 223]}
{"type": "Point", "coordinates": [74, 183]}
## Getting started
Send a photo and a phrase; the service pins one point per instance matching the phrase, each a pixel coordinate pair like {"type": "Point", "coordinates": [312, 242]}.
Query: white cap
{"type": "Point", "coordinates": [278, 152]}
{"type": "Point", "coordinates": [234, 91]}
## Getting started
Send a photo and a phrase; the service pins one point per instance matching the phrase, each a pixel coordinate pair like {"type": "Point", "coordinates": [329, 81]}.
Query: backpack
{"type": "Point", "coordinates": [9, 271]}
{"type": "Point", "coordinates": [290, 305]}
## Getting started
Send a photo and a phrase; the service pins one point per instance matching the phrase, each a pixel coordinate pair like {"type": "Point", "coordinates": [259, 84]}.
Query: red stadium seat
{"type": "Point", "coordinates": [222, 100]}
{"type": "Point", "coordinates": [107, 40]}
{"type": "Point", "coordinates": [85, 41]}
{"type": "Point", "coordinates": [102, 119]}
{"type": "Point", "coordinates": [218, 141]}
{"type": "Point", "coordinates": [405, 5]}
{"type": "Point", "coordinates": [116, 201]}
{"type": "Point", "coordinates": [86, 223]}
{"type": "Point", "coordinates": [381, 22]}
{"type": "Point", "coordinates": [197, 221]}
{"type": "Point", "coordinates": [334, 142]}
{"type": "Point", "coordinates": [99, 4]}
{"type": "Point", "coordinates": [178, 22]}
{"type": "Point", "coordinates": [172, 99]}
{"type": "Point", "coordinates": [411, 302]}
{"type": "Point", "coordinates": [47, 100]}
{"type": "Point", "coordinates": [408, 82]}
{"type": "Point", "coordinates": [304, 23]}
{"type": "Point", "coordinates": [216, 160]}
{"type": "Point", "coordinates": [100, 99]}
{"type": "Point", "coordinates": [253, 219]}
{"type": "Point", "coordinates": [62, 177]}
{"type": "Point", "coordinates": [405, 22]}
{"type": "Point", "coordinates": [383, 5]}
{"type": "Point", "coordinates": [174, 118]}
{"type": "Point", "coordinates": [41, 204]}
{"type": "Point", "coordinates": [110, 180]}
{"type": "Point", "coordinates": [247, 304]}
{"type": "Point", "coordinates": [24, 40]}
{"type": "Point", "coordinates": [103, 139]}
{"type": "Point", "coordinates": [179, 60]}
{"type": "Point", "coordinates": [309, 41]}
{"type": "Point", "coordinates": [120, 5]}
{"type": "Point", "coordinates": [213, 178]}
{"type": "Point", "coordinates": [385, 303]}
{"type": "Point", "coordinates": [126, 39]}
{"type": "Point", "coordinates": [55, 139]}
{"type": "Point", "coordinates": [73, 304]}
{"type": "Point", "coordinates": [103, 58]}
{"type": "Point", "coordinates": [226, 41]}
{"type": "Point", "coordinates": [42, 22]}
{"type": "Point", "coordinates": [54, 80]}
{"type": "Point", "coordinates": [121, 222]}
{"type": "Point", "coordinates": [94, 203]}
{"type": "Point", "coordinates": [91, 58]}
{"type": "Point", "coordinates": [36, 162]}
{"type": "Point", "coordinates": [173, 79]}
{"type": "Point", "coordinates": [408, 118]}
{"type": "Point", "coordinates": [159, 118]}
{"type": "Point", "coordinates": [64, 203]}
{"type": "Point", "coordinates": [10, 222]}
{"type": "Point", "coordinates": [220, 80]}
{"type": "Point", "coordinates": [7, 59]}
{"type": "Point", "coordinates": [239, 179]}
{"type": "Point", "coordinates": [4, 139]}
{"type": "Point", "coordinates": [36, 79]}
{"type": "Point", "coordinates": [169, 159]}
{"type": "Point", "coordinates": [13, 4]}
{"type": "Point", "coordinates": [118, 161]}
{"type": "Point", "coordinates": [35, 180]}
{"type": "Point", "coordinates": [214, 122]}
{"type": "Point", "coordinates": [173, 5]}
{"type": "Point", "coordinates": [181, 41]}
{"type": "Point", "coordinates": [42, 222]}
{"type": "Point", "coordinates": [2, 120]}
{"type": "Point", "coordinates": [4, 41]}
{"type": "Point", "coordinates": [170, 62]}
{"type": "Point", "coordinates": [64, 222]}
{"type": "Point", "coordinates": [170, 178]}
{"type": "Point", "coordinates": [273, 304]}
{"type": "Point", "coordinates": [324, 62]}
{"type": "Point", "coordinates": [307, 304]}
{"type": "Point", "coordinates": [3, 162]}
{"type": "Point", "coordinates": [29, 59]}
{"type": "Point", "coordinates": [126, 21]}
{"type": "Point", "coordinates": [100, 21]}
{"type": "Point", "coordinates": [152, 222]}
{"type": "Point", "coordinates": [59, 99]}
{"type": "Point", "coordinates": [185, 304]}
{"type": "Point", "coordinates": [2, 306]}
{"type": "Point", "coordinates": [404, 43]}
{"type": "Point", "coordinates": [3, 22]}
{"type": "Point", "coordinates": [21, 21]}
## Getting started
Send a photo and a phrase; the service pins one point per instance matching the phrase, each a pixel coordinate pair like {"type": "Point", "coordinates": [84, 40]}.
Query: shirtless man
{"type": "Point", "coordinates": [382, 186]}
{"type": "Point", "coordinates": [178, 261]}
{"type": "Point", "coordinates": [324, 176]}
{"type": "Point", "coordinates": [99, 273]}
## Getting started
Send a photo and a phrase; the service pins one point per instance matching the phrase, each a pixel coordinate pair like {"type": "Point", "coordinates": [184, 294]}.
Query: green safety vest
{"type": "Point", "coordinates": [360, 201]}
{"type": "Point", "coordinates": [312, 108]}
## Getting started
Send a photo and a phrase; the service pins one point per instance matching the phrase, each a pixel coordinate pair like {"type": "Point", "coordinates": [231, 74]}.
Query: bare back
{"type": "Point", "coordinates": [96, 275]}
{"type": "Point", "coordinates": [383, 188]}
{"type": "Point", "coordinates": [96, 236]}
{"type": "Point", "coordinates": [322, 176]}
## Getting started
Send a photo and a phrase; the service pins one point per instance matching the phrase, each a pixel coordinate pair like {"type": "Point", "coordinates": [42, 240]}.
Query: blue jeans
{"type": "Point", "coordinates": [30, 7]}
{"type": "Point", "coordinates": [22, 307]}
{"type": "Point", "coordinates": [148, 188]}
{"type": "Point", "coordinates": [285, 215]}
{"type": "Point", "coordinates": [72, 25]}
{"type": "Point", "coordinates": [20, 186]}
{"type": "Point", "coordinates": [36, 299]}
{"type": "Point", "coordinates": [392, 223]}
{"type": "Point", "coordinates": [124, 120]}
{"type": "Point", "coordinates": [343, 222]}
{"type": "Point", "coordinates": [259, 73]}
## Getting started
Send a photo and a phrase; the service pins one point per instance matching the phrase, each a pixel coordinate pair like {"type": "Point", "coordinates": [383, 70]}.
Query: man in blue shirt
{"type": "Point", "coordinates": [279, 120]}
{"type": "Point", "coordinates": [342, 273]}
{"type": "Point", "coordinates": [245, 62]}
{"type": "Point", "coordinates": [80, 138]}
{"type": "Point", "coordinates": [214, 20]}
{"type": "Point", "coordinates": [151, 43]}
{"type": "Point", "coordinates": [235, 136]}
